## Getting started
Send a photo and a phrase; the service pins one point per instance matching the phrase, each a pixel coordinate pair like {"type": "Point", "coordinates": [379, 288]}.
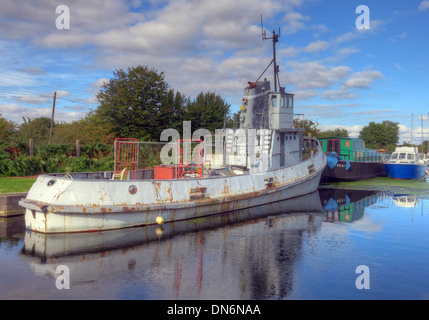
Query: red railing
{"type": "Point", "coordinates": [126, 157]}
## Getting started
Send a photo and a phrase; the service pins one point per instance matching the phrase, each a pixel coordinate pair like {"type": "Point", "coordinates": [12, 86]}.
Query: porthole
{"type": "Point", "coordinates": [51, 183]}
{"type": "Point", "coordinates": [132, 189]}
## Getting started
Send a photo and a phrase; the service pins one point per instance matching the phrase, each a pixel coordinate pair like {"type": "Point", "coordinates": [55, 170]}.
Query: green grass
{"type": "Point", "coordinates": [384, 184]}
{"type": "Point", "coordinates": [11, 185]}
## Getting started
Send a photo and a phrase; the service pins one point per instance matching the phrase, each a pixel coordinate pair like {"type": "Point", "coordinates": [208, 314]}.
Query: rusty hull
{"type": "Point", "coordinates": [62, 204]}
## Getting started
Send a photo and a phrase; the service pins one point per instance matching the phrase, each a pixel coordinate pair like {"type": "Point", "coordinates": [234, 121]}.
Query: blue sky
{"type": "Point", "coordinates": [342, 76]}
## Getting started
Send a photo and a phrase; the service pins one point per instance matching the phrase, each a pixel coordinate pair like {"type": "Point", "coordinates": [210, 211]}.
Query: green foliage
{"type": "Point", "coordinates": [7, 128]}
{"type": "Point", "coordinates": [138, 104]}
{"type": "Point", "coordinates": [35, 128]}
{"type": "Point", "coordinates": [56, 158]}
{"type": "Point", "coordinates": [380, 135]}
{"type": "Point", "coordinates": [338, 132]}
{"type": "Point", "coordinates": [310, 128]}
{"type": "Point", "coordinates": [207, 111]}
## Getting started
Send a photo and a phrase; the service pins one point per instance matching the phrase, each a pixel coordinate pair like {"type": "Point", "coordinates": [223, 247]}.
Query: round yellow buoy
{"type": "Point", "coordinates": [159, 220]}
{"type": "Point", "coordinates": [159, 231]}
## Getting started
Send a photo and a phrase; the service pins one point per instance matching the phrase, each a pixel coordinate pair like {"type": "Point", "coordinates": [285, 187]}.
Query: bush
{"type": "Point", "coordinates": [54, 158]}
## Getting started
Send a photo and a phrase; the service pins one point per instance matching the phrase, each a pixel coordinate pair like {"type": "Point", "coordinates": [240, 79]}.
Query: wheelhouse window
{"type": "Point", "coordinates": [274, 101]}
{"type": "Point", "coordinates": [402, 156]}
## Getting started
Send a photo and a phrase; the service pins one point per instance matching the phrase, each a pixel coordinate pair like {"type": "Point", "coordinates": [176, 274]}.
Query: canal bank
{"type": "Point", "coordinates": [417, 187]}
{"type": "Point", "coordinates": [9, 204]}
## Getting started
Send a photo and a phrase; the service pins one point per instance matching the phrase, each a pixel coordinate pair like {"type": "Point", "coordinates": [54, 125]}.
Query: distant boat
{"type": "Point", "coordinates": [349, 160]}
{"type": "Point", "coordinates": [406, 163]}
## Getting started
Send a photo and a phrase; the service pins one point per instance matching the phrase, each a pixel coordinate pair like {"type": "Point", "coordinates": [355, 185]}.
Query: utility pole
{"type": "Point", "coordinates": [52, 118]}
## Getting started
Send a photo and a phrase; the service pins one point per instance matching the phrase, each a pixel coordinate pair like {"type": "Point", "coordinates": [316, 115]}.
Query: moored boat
{"type": "Point", "coordinates": [349, 160]}
{"type": "Point", "coordinates": [406, 163]}
{"type": "Point", "coordinates": [262, 163]}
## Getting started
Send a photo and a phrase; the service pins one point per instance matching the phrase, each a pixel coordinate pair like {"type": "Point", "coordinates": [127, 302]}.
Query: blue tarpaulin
{"type": "Point", "coordinates": [332, 160]}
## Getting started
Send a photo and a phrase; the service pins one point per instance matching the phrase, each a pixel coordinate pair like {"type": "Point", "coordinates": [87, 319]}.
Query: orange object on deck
{"type": "Point", "coordinates": [165, 172]}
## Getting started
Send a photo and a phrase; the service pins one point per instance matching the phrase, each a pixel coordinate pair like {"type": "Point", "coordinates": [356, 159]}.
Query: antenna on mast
{"type": "Point", "coordinates": [275, 39]}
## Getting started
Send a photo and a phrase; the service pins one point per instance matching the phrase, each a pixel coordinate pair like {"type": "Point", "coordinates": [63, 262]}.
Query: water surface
{"type": "Point", "coordinates": [305, 248]}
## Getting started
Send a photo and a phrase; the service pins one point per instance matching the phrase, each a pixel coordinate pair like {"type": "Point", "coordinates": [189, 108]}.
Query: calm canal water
{"type": "Point", "coordinates": [306, 248]}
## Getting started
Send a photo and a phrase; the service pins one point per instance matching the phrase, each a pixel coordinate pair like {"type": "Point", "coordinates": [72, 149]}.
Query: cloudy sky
{"type": "Point", "coordinates": [342, 76]}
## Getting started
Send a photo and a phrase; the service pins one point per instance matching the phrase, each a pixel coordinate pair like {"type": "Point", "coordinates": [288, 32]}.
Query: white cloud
{"type": "Point", "coordinates": [307, 75]}
{"type": "Point", "coordinates": [317, 46]}
{"type": "Point", "coordinates": [295, 22]}
{"type": "Point", "coordinates": [26, 98]}
{"type": "Point", "coordinates": [424, 5]}
{"type": "Point", "coordinates": [305, 94]}
{"type": "Point", "coordinates": [338, 95]}
{"type": "Point", "coordinates": [362, 79]}
{"type": "Point", "coordinates": [33, 70]}
{"type": "Point", "coordinates": [15, 113]}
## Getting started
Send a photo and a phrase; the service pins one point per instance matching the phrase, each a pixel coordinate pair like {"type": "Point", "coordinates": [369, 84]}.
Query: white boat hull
{"type": "Point", "coordinates": [63, 205]}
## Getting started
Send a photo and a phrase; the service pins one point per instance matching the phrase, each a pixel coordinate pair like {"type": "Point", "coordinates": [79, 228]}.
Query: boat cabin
{"type": "Point", "coordinates": [271, 116]}
{"type": "Point", "coordinates": [408, 155]}
{"type": "Point", "coordinates": [352, 149]}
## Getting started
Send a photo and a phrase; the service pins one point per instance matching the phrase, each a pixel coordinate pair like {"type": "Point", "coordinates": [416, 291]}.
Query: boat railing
{"type": "Point", "coordinates": [361, 156]}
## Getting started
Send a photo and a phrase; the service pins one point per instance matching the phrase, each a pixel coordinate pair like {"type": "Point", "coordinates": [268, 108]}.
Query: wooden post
{"type": "Point", "coordinates": [30, 143]}
{"type": "Point", "coordinates": [77, 148]}
{"type": "Point", "coordinates": [52, 118]}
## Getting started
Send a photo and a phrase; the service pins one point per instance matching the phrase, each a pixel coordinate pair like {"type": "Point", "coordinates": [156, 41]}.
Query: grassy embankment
{"type": "Point", "coordinates": [12, 184]}
{"type": "Point", "coordinates": [420, 187]}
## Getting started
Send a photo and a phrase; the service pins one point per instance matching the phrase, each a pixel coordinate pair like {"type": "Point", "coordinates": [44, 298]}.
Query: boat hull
{"type": "Point", "coordinates": [356, 171]}
{"type": "Point", "coordinates": [405, 171]}
{"type": "Point", "coordinates": [65, 205]}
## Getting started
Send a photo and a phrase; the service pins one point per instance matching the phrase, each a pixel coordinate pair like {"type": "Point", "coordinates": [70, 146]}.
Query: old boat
{"type": "Point", "coordinates": [406, 163]}
{"type": "Point", "coordinates": [262, 163]}
{"type": "Point", "coordinates": [349, 160]}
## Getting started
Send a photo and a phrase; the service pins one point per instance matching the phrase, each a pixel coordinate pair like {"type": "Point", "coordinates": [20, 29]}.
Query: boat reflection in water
{"type": "Point", "coordinates": [346, 205]}
{"type": "Point", "coordinates": [248, 254]}
{"type": "Point", "coordinates": [405, 200]}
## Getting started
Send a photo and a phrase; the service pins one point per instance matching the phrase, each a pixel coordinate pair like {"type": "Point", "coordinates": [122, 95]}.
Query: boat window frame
{"type": "Point", "coordinates": [283, 101]}
{"type": "Point", "coordinates": [274, 99]}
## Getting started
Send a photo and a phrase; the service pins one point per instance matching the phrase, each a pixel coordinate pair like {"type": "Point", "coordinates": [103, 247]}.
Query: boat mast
{"type": "Point", "coordinates": [275, 39]}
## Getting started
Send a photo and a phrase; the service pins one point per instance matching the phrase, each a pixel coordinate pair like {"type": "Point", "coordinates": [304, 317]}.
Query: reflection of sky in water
{"type": "Point", "coordinates": [291, 256]}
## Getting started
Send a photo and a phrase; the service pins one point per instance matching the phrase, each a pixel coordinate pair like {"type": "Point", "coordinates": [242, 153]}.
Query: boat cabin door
{"type": "Point", "coordinates": [334, 145]}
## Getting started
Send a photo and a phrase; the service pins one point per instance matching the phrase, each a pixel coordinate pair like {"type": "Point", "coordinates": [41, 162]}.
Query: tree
{"type": "Point", "coordinates": [138, 104]}
{"type": "Point", "coordinates": [338, 132]}
{"type": "Point", "coordinates": [310, 128]}
{"type": "Point", "coordinates": [35, 128]}
{"type": "Point", "coordinates": [380, 135]}
{"type": "Point", "coordinates": [88, 130]}
{"type": "Point", "coordinates": [7, 128]}
{"type": "Point", "coordinates": [207, 111]}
